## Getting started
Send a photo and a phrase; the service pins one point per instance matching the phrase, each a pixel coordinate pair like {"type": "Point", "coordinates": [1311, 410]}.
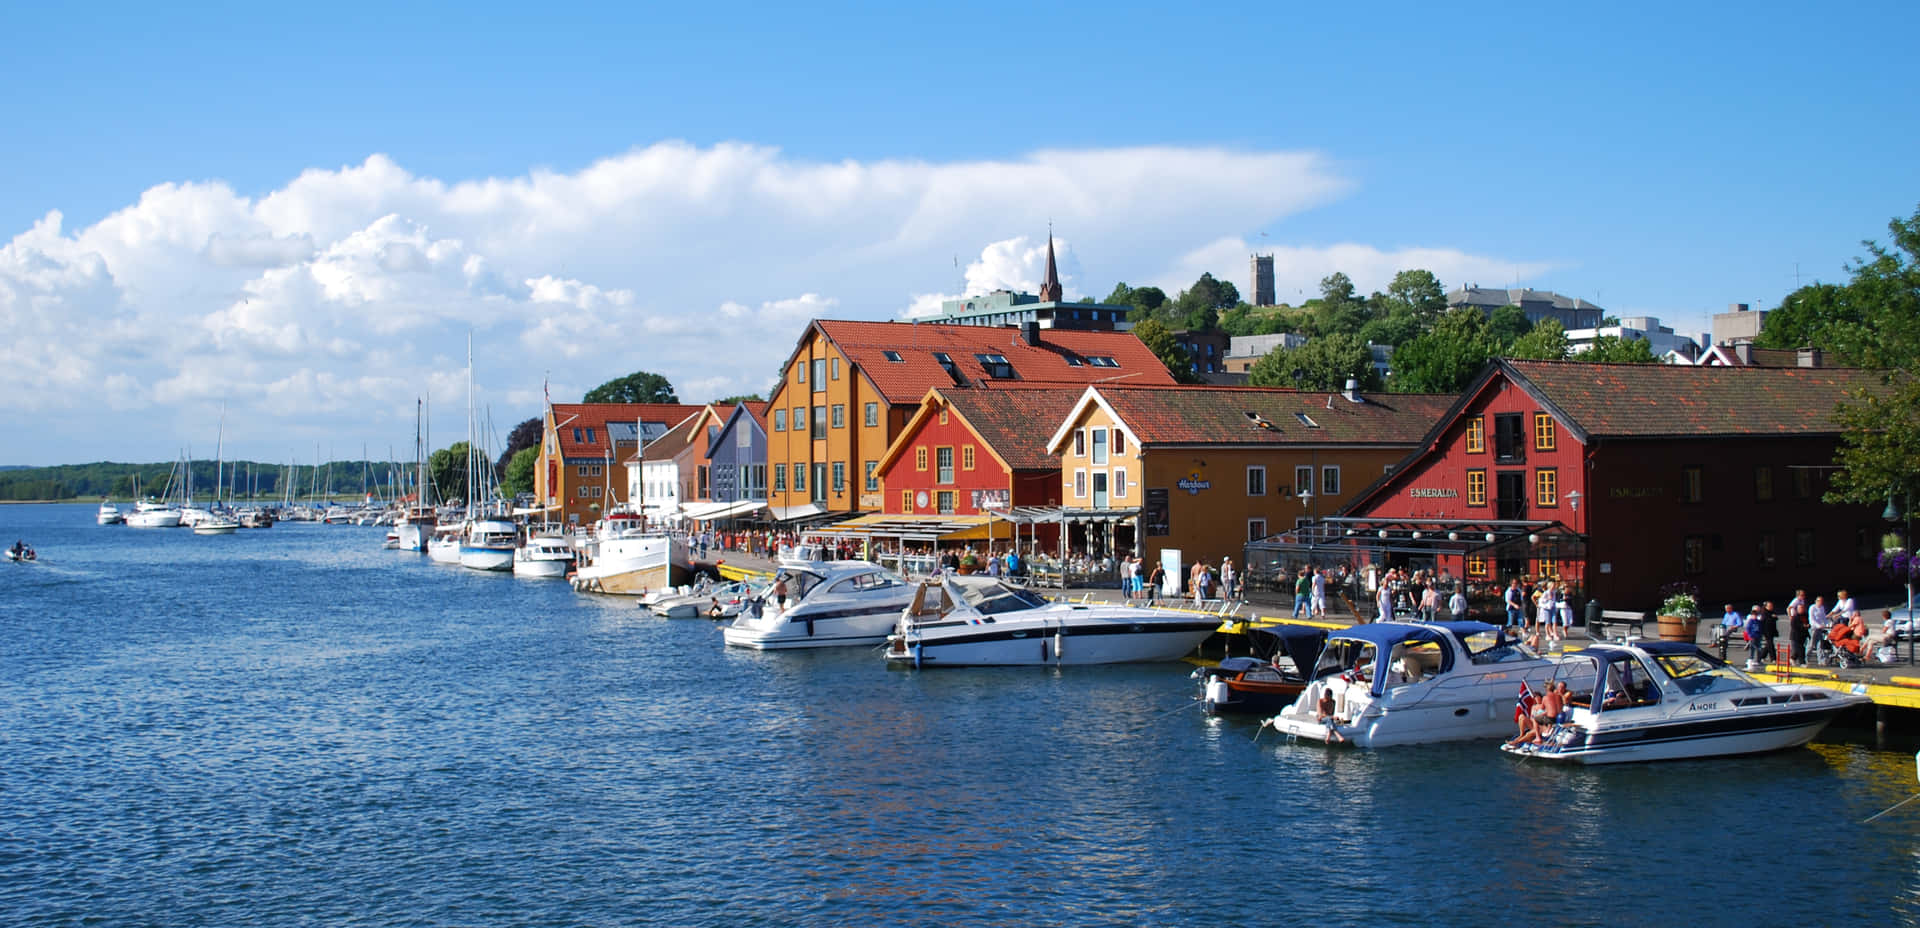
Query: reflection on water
{"type": "Point", "coordinates": [292, 726]}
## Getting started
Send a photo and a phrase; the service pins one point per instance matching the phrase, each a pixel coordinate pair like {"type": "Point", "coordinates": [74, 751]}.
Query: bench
{"type": "Point", "coordinates": [1636, 620]}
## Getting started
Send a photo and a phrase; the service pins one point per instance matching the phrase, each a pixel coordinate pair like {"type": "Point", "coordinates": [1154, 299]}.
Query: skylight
{"type": "Point", "coordinates": [894, 356]}
{"type": "Point", "coordinates": [1306, 420]}
{"type": "Point", "coordinates": [1102, 361]}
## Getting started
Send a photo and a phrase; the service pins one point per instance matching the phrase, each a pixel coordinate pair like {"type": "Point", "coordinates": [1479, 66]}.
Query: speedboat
{"type": "Point", "coordinates": [1662, 700]}
{"type": "Point", "coordinates": [21, 553]}
{"type": "Point", "coordinates": [489, 544]}
{"type": "Point", "coordinates": [1267, 683]}
{"type": "Point", "coordinates": [109, 513]}
{"type": "Point", "coordinates": [216, 523]}
{"type": "Point", "coordinates": [713, 601]}
{"type": "Point", "coordinates": [829, 604]}
{"type": "Point", "coordinates": [1410, 683]}
{"type": "Point", "coordinates": [543, 556]}
{"type": "Point", "coordinates": [973, 620]}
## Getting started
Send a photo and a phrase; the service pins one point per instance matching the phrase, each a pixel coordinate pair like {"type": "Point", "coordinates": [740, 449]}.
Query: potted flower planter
{"type": "Point", "coordinates": [1679, 628]}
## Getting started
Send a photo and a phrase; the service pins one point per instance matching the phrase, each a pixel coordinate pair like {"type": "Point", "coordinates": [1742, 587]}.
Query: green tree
{"type": "Point", "coordinates": [519, 471]}
{"type": "Point", "coordinates": [1612, 349]}
{"type": "Point", "coordinates": [1337, 288]}
{"type": "Point", "coordinates": [1417, 292]}
{"type": "Point", "coordinates": [1880, 441]}
{"type": "Point", "coordinates": [1547, 342]}
{"type": "Point", "coordinates": [1324, 363]}
{"type": "Point", "coordinates": [1394, 329]}
{"type": "Point", "coordinates": [524, 435]}
{"type": "Point", "coordinates": [1159, 340]}
{"type": "Point", "coordinates": [1447, 357]}
{"type": "Point", "coordinates": [1807, 316]}
{"type": "Point", "coordinates": [739, 398]}
{"type": "Point", "coordinates": [447, 468]}
{"type": "Point", "coordinates": [637, 387]}
{"type": "Point", "coordinates": [1508, 323]}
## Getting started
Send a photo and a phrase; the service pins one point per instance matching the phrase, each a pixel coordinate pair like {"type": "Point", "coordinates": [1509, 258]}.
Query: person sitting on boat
{"type": "Point", "coordinates": [1324, 714]}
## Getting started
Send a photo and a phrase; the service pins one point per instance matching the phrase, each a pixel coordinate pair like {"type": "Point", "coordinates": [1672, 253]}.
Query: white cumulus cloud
{"type": "Point", "coordinates": [316, 312]}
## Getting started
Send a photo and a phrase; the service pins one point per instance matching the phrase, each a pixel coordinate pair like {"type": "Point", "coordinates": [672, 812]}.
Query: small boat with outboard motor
{"type": "Point", "coordinates": [1266, 681]}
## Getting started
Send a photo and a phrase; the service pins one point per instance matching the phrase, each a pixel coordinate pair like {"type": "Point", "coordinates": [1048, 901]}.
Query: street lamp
{"type": "Point", "coordinates": [1893, 514]}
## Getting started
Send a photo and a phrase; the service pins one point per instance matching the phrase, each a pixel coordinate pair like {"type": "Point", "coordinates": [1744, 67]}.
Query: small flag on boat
{"type": "Point", "coordinates": [1523, 707]}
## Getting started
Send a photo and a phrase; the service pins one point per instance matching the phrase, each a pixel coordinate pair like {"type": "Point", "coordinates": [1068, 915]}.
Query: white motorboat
{"type": "Point", "coordinates": [974, 620]}
{"type": "Point", "coordinates": [216, 524]}
{"type": "Point", "coordinates": [444, 545]}
{"type": "Point", "coordinates": [633, 565]}
{"type": "Point", "coordinates": [489, 544]}
{"type": "Point", "coordinates": [413, 531]}
{"type": "Point", "coordinates": [1662, 700]}
{"type": "Point", "coordinates": [1411, 683]}
{"type": "Point", "coordinates": [109, 514]}
{"type": "Point", "coordinates": [705, 599]}
{"type": "Point", "coordinates": [828, 604]}
{"type": "Point", "coordinates": [150, 514]}
{"type": "Point", "coordinates": [543, 556]}
{"type": "Point", "coordinates": [22, 553]}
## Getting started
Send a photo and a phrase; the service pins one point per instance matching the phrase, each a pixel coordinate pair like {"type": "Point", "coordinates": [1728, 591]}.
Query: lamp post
{"type": "Point", "coordinates": [1894, 513]}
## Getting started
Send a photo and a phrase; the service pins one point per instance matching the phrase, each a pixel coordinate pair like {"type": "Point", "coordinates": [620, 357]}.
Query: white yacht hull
{"type": "Point", "coordinates": [632, 566]}
{"type": "Point", "coordinates": [773, 632]}
{"type": "Point", "coordinates": [486, 558]}
{"type": "Point", "coordinates": [109, 516]}
{"type": "Point", "coordinates": [1058, 640]}
{"type": "Point", "coordinates": [155, 518]}
{"type": "Point", "coordinates": [444, 551]}
{"type": "Point", "coordinates": [1636, 735]}
{"type": "Point", "coordinates": [541, 568]}
{"type": "Point", "coordinates": [216, 528]}
{"type": "Point", "coordinates": [412, 536]}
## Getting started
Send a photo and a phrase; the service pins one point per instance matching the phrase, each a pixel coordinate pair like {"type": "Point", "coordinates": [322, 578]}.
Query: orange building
{"type": "Point", "coordinates": [1203, 470]}
{"type": "Point", "coordinates": [849, 388]}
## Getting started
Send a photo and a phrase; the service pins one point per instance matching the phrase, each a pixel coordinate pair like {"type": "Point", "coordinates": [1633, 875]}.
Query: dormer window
{"type": "Point", "coordinates": [995, 365]}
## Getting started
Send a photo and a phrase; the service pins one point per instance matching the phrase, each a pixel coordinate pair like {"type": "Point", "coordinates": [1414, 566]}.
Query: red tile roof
{"type": "Point", "coordinates": [1015, 422]}
{"type": "Point", "coordinates": [905, 381]}
{"type": "Point", "coordinates": [1663, 400]}
{"type": "Point", "coordinates": [597, 415]}
{"type": "Point", "coordinates": [1219, 415]}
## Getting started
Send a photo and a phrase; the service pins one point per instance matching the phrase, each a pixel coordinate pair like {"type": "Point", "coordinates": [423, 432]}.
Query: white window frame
{"type": "Point", "coordinates": [1119, 488]}
{"type": "Point", "coordinates": [1080, 483]}
{"type": "Point", "coordinates": [1262, 533]}
{"type": "Point", "coordinates": [1330, 471]}
{"type": "Point", "coordinates": [1099, 440]}
{"type": "Point", "coordinates": [1302, 479]}
{"type": "Point", "coordinates": [1260, 469]}
{"type": "Point", "coordinates": [1079, 443]}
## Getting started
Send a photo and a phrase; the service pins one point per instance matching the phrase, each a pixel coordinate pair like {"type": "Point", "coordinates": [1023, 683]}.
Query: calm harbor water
{"type": "Point", "coordinates": [294, 727]}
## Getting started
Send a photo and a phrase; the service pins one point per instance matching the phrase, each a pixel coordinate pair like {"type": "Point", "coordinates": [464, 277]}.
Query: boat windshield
{"type": "Point", "coordinates": [995, 598]}
{"type": "Point", "coordinates": [1699, 673]}
{"type": "Point", "coordinates": [1495, 646]}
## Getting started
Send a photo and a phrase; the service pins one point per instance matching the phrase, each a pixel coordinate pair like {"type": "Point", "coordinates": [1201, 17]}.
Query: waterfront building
{"type": "Point", "coordinates": [849, 387]}
{"type": "Point", "coordinates": [1620, 479]}
{"type": "Point", "coordinates": [583, 444]}
{"type": "Point", "coordinates": [966, 467]}
{"type": "Point", "coordinates": [1204, 470]}
{"type": "Point", "coordinates": [671, 477]}
{"type": "Point", "coordinates": [737, 464]}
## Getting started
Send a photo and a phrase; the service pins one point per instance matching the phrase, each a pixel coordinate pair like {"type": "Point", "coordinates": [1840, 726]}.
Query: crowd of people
{"type": "Point", "coordinates": [1816, 632]}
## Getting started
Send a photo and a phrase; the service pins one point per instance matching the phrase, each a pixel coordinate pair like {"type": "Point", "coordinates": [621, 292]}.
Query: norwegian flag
{"type": "Point", "coordinates": [1523, 707]}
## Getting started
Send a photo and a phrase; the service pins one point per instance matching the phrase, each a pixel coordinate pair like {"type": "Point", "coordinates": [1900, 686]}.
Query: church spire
{"type": "Point", "coordinates": [1050, 290]}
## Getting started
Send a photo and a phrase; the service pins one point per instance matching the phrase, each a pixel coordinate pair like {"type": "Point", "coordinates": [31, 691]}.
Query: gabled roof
{"type": "Point", "coordinates": [752, 412]}
{"type": "Point", "coordinates": [1260, 416]}
{"type": "Point", "coordinates": [1665, 400]}
{"type": "Point", "coordinates": [598, 415]}
{"type": "Point", "coordinates": [683, 434]}
{"type": "Point", "coordinates": [1010, 422]}
{"type": "Point", "coordinates": [905, 381]}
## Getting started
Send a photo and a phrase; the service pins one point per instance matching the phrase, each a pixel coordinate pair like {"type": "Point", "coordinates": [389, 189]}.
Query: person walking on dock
{"type": "Point", "coordinates": [1319, 593]}
{"type": "Point", "coordinates": [1797, 626]}
{"type": "Point", "coordinates": [1302, 595]}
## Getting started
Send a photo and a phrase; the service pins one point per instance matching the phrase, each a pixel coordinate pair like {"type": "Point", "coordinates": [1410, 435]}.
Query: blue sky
{"type": "Point", "coordinates": [320, 199]}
